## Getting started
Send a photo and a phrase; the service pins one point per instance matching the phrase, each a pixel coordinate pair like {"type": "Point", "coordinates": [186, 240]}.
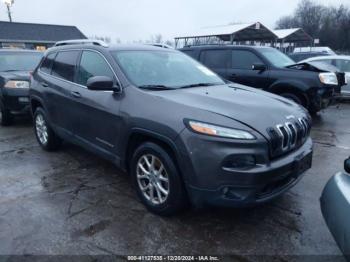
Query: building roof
{"type": "Point", "coordinates": [37, 33]}
{"type": "Point", "coordinates": [241, 32]}
{"type": "Point", "coordinates": [292, 35]}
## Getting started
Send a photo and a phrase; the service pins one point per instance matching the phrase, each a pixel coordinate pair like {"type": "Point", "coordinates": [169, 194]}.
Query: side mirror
{"type": "Point", "coordinates": [259, 67]}
{"type": "Point", "coordinates": [102, 83]}
{"type": "Point", "coordinates": [347, 165]}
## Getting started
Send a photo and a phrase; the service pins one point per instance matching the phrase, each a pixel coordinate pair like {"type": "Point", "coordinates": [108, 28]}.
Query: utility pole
{"type": "Point", "coordinates": [9, 4]}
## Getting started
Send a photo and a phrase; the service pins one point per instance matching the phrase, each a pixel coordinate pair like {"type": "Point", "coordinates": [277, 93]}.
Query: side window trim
{"type": "Point", "coordinates": [77, 66]}
{"type": "Point", "coordinates": [51, 65]}
{"type": "Point", "coordinates": [79, 58]}
{"type": "Point", "coordinates": [104, 58]}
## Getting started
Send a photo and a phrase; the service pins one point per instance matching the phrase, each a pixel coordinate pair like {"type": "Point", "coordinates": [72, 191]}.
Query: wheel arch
{"type": "Point", "coordinates": [139, 136]}
{"type": "Point", "coordinates": [295, 88]}
{"type": "Point", "coordinates": [35, 102]}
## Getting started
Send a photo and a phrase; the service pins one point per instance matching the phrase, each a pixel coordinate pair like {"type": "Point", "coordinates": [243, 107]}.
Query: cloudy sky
{"type": "Point", "coordinates": [138, 19]}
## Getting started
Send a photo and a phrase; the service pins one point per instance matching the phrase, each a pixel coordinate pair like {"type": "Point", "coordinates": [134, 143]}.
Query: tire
{"type": "Point", "coordinates": [45, 136]}
{"type": "Point", "coordinates": [293, 98]}
{"type": "Point", "coordinates": [6, 118]}
{"type": "Point", "coordinates": [168, 180]}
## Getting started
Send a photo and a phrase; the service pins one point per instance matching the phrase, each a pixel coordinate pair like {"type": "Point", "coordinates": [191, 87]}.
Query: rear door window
{"type": "Point", "coordinates": [92, 64]}
{"type": "Point", "coordinates": [46, 66]}
{"type": "Point", "coordinates": [242, 59]}
{"type": "Point", "coordinates": [65, 64]}
{"type": "Point", "coordinates": [215, 59]}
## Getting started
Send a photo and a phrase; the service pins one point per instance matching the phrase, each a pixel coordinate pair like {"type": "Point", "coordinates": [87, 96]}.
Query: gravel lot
{"type": "Point", "coordinates": [72, 202]}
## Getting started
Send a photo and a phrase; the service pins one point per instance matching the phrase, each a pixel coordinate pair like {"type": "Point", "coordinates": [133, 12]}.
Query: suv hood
{"type": "Point", "coordinates": [20, 75]}
{"type": "Point", "coordinates": [314, 66]}
{"type": "Point", "coordinates": [254, 108]}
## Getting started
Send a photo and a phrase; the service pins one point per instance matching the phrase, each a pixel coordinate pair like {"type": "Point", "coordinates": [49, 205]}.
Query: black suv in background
{"type": "Point", "coordinates": [15, 68]}
{"type": "Point", "coordinates": [267, 68]}
{"type": "Point", "coordinates": [174, 125]}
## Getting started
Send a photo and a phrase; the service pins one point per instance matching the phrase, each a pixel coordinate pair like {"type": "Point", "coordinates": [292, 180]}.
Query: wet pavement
{"type": "Point", "coordinates": [72, 202]}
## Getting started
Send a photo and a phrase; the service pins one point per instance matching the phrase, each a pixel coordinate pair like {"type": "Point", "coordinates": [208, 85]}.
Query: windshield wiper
{"type": "Point", "coordinates": [199, 85]}
{"type": "Point", "coordinates": [11, 70]}
{"type": "Point", "coordinates": [156, 87]}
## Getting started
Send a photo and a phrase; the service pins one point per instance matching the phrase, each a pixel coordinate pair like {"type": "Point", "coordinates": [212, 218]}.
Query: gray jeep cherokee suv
{"type": "Point", "coordinates": [179, 130]}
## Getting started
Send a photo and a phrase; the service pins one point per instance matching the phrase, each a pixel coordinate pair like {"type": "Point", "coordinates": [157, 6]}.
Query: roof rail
{"type": "Point", "coordinates": [161, 45]}
{"type": "Point", "coordinates": [81, 42]}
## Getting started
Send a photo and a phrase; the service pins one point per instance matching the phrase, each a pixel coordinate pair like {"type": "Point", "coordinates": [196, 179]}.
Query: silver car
{"type": "Point", "coordinates": [335, 206]}
{"type": "Point", "coordinates": [342, 63]}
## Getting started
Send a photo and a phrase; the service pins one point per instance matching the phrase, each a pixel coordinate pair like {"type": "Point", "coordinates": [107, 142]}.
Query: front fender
{"type": "Point", "coordinates": [292, 84]}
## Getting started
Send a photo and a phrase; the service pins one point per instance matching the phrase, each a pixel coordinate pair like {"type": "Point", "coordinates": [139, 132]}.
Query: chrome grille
{"type": "Point", "coordinates": [288, 136]}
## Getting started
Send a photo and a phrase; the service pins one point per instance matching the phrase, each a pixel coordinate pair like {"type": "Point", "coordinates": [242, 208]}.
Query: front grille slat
{"type": "Point", "coordinates": [288, 136]}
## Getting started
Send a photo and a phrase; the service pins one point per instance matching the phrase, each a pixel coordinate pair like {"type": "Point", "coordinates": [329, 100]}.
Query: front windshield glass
{"type": "Point", "coordinates": [19, 61]}
{"type": "Point", "coordinates": [164, 69]}
{"type": "Point", "coordinates": [276, 57]}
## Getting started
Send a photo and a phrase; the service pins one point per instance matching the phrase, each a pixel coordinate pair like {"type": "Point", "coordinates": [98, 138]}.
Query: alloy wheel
{"type": "Point", "coordinates": [41, 129]}
{"type": "Point", "coordinates": [152, 179]}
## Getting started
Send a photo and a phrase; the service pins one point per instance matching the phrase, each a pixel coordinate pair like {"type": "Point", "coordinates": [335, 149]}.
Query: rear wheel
{"type": "Point", "coordinates": [46, 137]}
{"type": "Point", "coordinates": [157, 180]}
{"type": "Point", "coordinates": [6, 118]}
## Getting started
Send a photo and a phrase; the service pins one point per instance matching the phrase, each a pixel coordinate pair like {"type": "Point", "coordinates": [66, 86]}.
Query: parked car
{"type": "Point", "coordinates": [322, 49]}
{"type": "Point", "coordinates": [15, 66]}
{"type": "Point", "coordinates": [267, 68]}
{"type": "Point", "coordinates": [335, 206]}
{"type": "Point", "coordinates": [177, 128]}
{"type": "Point", "coordinates": [342, 63]}
{"type": "Point", "coordinates": [300, 56]}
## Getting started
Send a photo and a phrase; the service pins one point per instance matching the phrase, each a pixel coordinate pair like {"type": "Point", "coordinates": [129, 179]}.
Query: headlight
{"type": "Point", "coordinates": [329, 78]}
{"type": "Point", "coordinates": [17, 84]}
{"type": "Point", "coordinates": [213, 130]}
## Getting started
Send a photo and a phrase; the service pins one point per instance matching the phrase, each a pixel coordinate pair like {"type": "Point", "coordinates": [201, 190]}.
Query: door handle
{"type": "Point", "coordinates": [233, 75]}
{"type": "Point", "coordinates": [44, 84]}
{"type": "Point", "coordinates": [75, 94]}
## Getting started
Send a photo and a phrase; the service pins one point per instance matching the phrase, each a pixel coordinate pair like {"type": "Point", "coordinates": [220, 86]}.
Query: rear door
{"type": "Point", "coordinates": [57, 84]}
{"type": "Point", "coordinates": [217, 60]}
{"type": "Point", "coordinates": [97, 117]}
{"type": "Point", "coordinates": [241, 69]}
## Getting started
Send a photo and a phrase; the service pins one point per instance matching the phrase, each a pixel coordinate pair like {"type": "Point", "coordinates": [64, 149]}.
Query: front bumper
{"type": "Point", "coordinates": [16, 100]}
{"type": "Point", "coordinates": [321, 98]}
{"type": "Point", "coordinates": [210, 183]}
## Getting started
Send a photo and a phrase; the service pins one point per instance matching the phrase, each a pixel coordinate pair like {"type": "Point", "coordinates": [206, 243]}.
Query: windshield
{"type": "Point", "coordinates": [164, 69]}
{"type": "Point", "coordinates": [19, 61]}
{"type": "Point", "coordinates": [276, 57]}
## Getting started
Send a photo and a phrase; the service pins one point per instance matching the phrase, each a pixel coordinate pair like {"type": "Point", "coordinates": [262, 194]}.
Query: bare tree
{"type": "Point", "coordinates": [330, 24]}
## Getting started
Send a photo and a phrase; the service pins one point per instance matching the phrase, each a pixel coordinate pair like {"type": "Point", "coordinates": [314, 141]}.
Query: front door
{"type": "Point", "coordinates": [241, 69]}
{"type": "Point", "coordinates": [96, 112]}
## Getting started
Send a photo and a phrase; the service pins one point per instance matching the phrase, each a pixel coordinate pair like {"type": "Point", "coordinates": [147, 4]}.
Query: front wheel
{"type": "Point", "coordinates": [157, 180]}
{"type": "Point", "coordinates": [46, 137]}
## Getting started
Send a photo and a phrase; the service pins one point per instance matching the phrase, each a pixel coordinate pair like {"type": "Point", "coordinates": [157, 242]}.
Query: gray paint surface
{"type": "Point", "coordinates": [72, 202]}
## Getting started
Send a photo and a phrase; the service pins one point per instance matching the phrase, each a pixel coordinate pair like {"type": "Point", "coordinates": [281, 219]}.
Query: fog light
{"type": "Point", "coordinates": [240, 162]}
